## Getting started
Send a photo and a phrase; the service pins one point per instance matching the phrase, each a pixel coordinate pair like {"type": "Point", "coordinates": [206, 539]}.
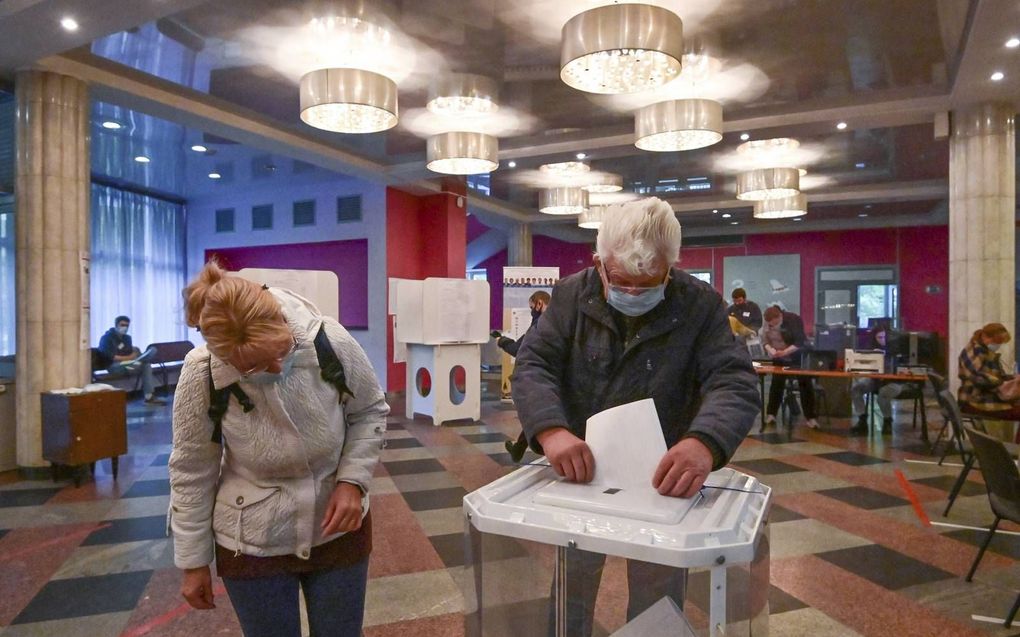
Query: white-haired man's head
{"type": "Point", "coordinates": [640, 238]}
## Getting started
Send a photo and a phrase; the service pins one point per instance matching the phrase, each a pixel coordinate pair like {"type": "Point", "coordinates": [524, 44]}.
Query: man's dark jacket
{"type": "Point", "coordinates": [574, 364]}
{"type": "Point", "coordinates": [747, 313]}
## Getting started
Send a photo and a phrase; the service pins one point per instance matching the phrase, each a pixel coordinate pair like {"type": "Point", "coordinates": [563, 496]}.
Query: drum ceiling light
{"type": "Point", "coordinates": [783, 208]}
{"type": "Point", "coordinates": [768, 183]}
{"type": "Point", "coordinates": [621, 48]}
{"type": "Point", "coordinates": [463, 93]}
{"type": "Point", "coordinates": [591, 218]}
{"type": "Point", "coordinates": [462, 153]}
{"type": "Point", "coordinates": [678, 125]}
{"type": "Point", "coordinates": [604, 182]}
{"type": "Point", "coordinates": [348, 101]}
{"type": "Point", "coordinates": [778, 151]}
{"type": "Point", "coordinates": [571, 168]}
{"type": "Point", "coordinates": [562, 201]}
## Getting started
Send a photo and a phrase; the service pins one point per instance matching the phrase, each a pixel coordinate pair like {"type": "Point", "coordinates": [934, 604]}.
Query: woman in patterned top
{"type": "Point", "coordinates": [986, 388]}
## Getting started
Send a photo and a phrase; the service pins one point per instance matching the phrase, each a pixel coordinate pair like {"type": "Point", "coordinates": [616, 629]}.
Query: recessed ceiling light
{"type": "Point", "coordinates": [868, 207]}
{"type": "Point", "coordinates": [581, 155]}
{"type": "Point", "coordinates": [199, 148]}
{"type": "Point", "coordinates": [69, 24]}
{"type": "Point", "coordinates": [860, 164]}
{"type": "Point", "coordinates": [715, 211]}
{"type": "Point", "coordinates": [798, 219]}
{"type": "Point", "coordinates": [511, 164]}
{"type": "Point", "coordinates": [111, 125]}
{"type": "Point", "coordinates": [734, 223]}
{"type": "Point", "coordinates": [726, 215]}
{"type": "Point", "coordinates": [841, 126]}
{"type": "Point", "coordinates": [863, 215]}
{"type": "Point", "coordinates": [997, 76]}
{"type": "Point", "coordinates": [214, 175]}
{"type": "Point", "coordinates": [744, 137]}
{"type": "Point", "coordinates": [1012, 43]}
{"type": "Point", "coordinates": [142, 159]}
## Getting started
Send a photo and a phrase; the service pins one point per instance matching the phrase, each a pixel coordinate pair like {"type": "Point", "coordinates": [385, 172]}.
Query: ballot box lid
{"type": "Point", "coordinates": [721, 526]}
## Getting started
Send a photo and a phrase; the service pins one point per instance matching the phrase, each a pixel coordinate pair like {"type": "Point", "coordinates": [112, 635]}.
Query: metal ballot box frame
{"type": "Point", "coordinates": [722, 539]}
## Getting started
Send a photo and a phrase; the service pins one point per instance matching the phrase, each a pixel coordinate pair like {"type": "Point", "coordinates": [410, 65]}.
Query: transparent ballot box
{"type": "Point", "coordinates": [546, 557]}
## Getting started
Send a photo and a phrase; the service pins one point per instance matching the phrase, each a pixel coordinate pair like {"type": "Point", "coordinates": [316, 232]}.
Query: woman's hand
{"type": "Point", "coordinates": [343, 513]}
{"type": "Point", "coordinates": [197, 588]}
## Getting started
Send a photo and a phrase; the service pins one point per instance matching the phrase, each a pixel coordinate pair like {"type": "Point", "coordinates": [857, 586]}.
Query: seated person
{"type": "Point", "coordinates": [783, 339]}
{"type": "Point", "coordinates": [985, 387]}
{"type": "Point", "coordinates": [887, 391]}
{"type": "Point", "coordinates": [747, 312]}
{"type": "Point", "coordinates": [119, 356]}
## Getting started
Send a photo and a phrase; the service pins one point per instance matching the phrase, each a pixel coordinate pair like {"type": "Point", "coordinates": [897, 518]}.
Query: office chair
{"type": "Point", "coordinates": [1003, 482]}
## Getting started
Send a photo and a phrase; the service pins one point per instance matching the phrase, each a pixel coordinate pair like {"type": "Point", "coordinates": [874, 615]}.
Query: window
{"type": "Point", "coordinates": [478, 274]}
{"type": "Point", "coordinates": [701, 275]}
{"type": "Point", "coordinates": [262, 217]}
{"type": "Point", "coordinates": [481, 182]}
{"type": "Point", "coordinates": [225, 220]}
{"type": "Point", "coordinates": [853, 295]}
{"type": "Point", "coordinates": [304, 213]}
{"type": "Point", "coordinates": [348, 209]}
{"type": "Point", "coordinates": [7, 283]}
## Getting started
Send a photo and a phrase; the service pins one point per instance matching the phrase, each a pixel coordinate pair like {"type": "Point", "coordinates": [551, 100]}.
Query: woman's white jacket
{"type": "Point", "coordinates": [265, 490]}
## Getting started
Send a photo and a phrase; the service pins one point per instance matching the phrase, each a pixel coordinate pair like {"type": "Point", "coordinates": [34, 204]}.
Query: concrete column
{"type": "Point", "coordinates": [982, 201]}
{"type": "Point", "coordinates": [519, 246]}
{"type": "Point", "coordinates": [52, 235]}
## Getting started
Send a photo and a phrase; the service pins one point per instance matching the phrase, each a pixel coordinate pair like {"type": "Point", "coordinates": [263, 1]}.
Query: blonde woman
{"type": "Point", "coordinates": [277, 427]}
{"type": "Point", "coordinates": [986, 388]}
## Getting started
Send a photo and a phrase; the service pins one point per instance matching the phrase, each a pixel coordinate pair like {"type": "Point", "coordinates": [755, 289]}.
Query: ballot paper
{"type": "Point", "coordinates": [627, 443]}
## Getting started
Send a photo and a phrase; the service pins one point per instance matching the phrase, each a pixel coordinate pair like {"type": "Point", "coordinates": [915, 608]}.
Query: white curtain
{"type": "Point", "coordinates": [7, 285]}
{"type": "Point", "coordinates": [138, 253]}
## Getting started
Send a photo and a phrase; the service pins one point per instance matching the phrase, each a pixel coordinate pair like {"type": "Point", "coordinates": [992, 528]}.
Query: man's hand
{"type": "Point", "coordinates": [343, 513]}
{"type": "Point", "coordinates": [771, 351]}
{"type": "Point", "coordinates": [197, 588]}
{"type": "Point", "coordinates": [683, 470]}
{"type": "Point", "coordinates": [568, 455]}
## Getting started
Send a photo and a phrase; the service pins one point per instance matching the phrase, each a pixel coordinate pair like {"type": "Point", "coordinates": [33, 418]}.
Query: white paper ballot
{"type": "Point", "coordinates": [627, 444]}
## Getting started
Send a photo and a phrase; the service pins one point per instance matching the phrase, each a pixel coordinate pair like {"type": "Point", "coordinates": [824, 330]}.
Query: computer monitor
{"type": "Point", "coordinates": [914, 348]}
{"type": "Point", "coordinates": [835, 338]}
{"type": "Point", "coordinates": [819, 360]}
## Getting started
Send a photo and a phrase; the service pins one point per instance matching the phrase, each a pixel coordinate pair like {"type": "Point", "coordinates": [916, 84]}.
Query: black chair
{"type": "Point", "coordinates": [1003, 482]}
{"type": "Point", "coordinates": [815, 359]}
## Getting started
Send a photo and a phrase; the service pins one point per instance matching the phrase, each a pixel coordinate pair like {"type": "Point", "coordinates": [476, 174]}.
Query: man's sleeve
{"type": "Point", "coordinates": [538, 371]}
{"type": "Point", "coordinates": [108, 345]}
{"type": "Point", "coordinates": [755, 320]}
{"type": "Point", "coordinates": [729, 388]}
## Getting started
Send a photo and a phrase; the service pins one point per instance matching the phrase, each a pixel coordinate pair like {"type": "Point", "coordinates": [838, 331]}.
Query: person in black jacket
{"type": "Point", "coordinates": [118, 355]}
{"type": "Point", "coordinates": [783, 338]}
{"type": "Point", "coordinates": [747, 312]}
{"type": "Point", "coordinates": [633, 327]}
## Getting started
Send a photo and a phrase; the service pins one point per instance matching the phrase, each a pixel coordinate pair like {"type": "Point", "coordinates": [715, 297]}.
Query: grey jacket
{"type": "Point", "coordinates": [265, 491]}
{"type": "Point", "coordinates": [574, 364]}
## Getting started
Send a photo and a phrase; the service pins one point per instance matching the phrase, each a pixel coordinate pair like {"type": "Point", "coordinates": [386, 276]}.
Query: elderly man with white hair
{"type": "Point", "coordinates": [632, 327]}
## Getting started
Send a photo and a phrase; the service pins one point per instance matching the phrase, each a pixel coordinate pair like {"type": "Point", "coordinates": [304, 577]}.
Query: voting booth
{"type": "Point", "coordinates": [529, 535]}
{"type": "Point", "coordinates": [440, 326]}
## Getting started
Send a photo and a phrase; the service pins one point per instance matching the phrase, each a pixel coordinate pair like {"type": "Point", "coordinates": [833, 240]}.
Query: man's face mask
{"type": "Point", "coordinates": [633, 301]}
{"type": "Point", "coordinates": [122, 329]}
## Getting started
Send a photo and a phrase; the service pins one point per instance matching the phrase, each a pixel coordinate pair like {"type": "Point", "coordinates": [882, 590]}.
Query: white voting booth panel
{"type": "Point", "coordinates": [432, 389]}
{"type": "Point", "coordinates": [320, 287]}
{"type": "Point", "coordinates": [519, 543]}
{"type": "Point", "coordinates": [438, 311]}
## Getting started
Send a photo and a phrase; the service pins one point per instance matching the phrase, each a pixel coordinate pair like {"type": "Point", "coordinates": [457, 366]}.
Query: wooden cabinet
{"type": "Point", "coordinates": [79, 429]}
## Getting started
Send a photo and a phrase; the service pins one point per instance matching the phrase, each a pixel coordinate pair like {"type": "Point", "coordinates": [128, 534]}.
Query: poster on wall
{"type": "Point", "coordinates": [769, 280]}
{"type": "Point", "coordinates": [519, 283]}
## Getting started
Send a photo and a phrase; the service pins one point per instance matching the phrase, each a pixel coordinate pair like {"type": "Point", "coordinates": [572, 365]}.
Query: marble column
{"type": "Point", "coordinates": [52, 239]}
{"type": "Point", "coordinates": [519, 246]}
{"type": "Point", "coordinates": [982, 203]}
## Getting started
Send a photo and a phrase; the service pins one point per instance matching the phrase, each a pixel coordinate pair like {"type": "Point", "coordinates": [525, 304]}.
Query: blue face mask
{"type": "Point", "coordinates": [636, 304]}
{"type": "Point", "coordinates": [268, 378]}
{"type": "Point", "coordinates": [994, 346]}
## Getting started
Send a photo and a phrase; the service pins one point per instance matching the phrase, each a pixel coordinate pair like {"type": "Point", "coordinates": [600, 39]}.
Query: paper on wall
{"type": "Point", "coordinates": [520, 321]}
{"type": "Point", "coordinates": [627, 444]}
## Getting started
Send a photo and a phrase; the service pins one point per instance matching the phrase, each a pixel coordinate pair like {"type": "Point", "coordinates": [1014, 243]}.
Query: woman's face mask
{"type": "Point", "coordinates": [994, 346]}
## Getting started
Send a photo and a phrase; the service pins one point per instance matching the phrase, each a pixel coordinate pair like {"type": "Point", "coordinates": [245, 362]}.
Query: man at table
{"type": "Point", "coordinates": [783, 340]}
{"type": "Point", "coordinates": [630, 328]}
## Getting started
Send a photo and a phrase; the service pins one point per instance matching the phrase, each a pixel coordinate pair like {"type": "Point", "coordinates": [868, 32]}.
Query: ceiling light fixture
{"type": "Point", "coordinates": [678, 125]}
{"type": "Point", "coordinates": [111, 125]}
{"type": "Point", "coordinates": [778, 152]}
{"type": "Point", "coordinates": [604, 182]}
{"type": "Point", "coordinates": [142, 159]}
{"type": "Point", "coordinates": [726, 215]}
{"type": "Point", "coordinates": [69, 24]}
{"type": "Point", "coordinates": [841, 126]}
{"type": "Point", "coordinates": [621, 48]}
{"type": "Point", "coordinates": [462, 153]}
{"type": "Point", "coordinates": [565, 168]}
{"type": "Point", "coordinates": [214, 175]}
{"type": "Point", "coordinates": [744, 137]}
{"type": "Point", "coordinates": [199, 148]}
{"type": "Point", "coordinates": [511, 164]}
{"type": "Point", "coordinates": [862, 215]}
{"type": "Point", "coordinates": [463, 93]}
{"type": "Point", "coordinates": [591, 218]}
{"type": "Point", "coordinates": [715, 211]}
{"type": "Point", "coordinates": [581, 155]}
{"type": "Point", "coordinates": [860, 164]}
{"type": "Point", "coordinates": [783, 208]}
{"type": "Point", "coordinates": [1012, 43]}
{"type": "Point", "coordinates": [562, 201]}
{"type": "Point", "coordinates": [734, 223]}
{"type": "Point", "coordinates": [997, 76]}
{"type": "Point", "coordinates": [768, 183]}
{"type": "Point", "coordinates": [348, 101]}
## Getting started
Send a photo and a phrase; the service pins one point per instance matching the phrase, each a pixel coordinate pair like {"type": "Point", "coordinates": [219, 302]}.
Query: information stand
{"type": "Point", "coordinates": [721, 537]}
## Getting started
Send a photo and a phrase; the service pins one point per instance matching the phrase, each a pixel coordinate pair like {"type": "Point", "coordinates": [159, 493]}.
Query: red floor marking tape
{"type": "Point", "coordinates": [166, 618]}
{"type": "Point", "coordinates": [913, 498]}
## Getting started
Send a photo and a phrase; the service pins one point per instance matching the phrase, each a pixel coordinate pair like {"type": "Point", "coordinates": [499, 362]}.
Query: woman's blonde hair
{"type": "Point", "coordinates": [994, 331]}
{"type": "Point", "coordinates": [236, 316]}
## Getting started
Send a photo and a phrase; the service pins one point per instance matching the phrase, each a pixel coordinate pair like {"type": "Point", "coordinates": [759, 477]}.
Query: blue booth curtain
{"type": "Point", "coordinates": [138, 265]}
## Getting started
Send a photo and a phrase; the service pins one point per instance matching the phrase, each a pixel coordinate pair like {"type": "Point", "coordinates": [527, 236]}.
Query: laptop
{"type": "Point", "coordinates": [633, 503]}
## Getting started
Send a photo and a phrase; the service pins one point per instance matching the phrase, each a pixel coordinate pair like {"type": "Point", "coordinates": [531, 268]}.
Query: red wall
{"type": "Point", "coordinates": [922, 254]}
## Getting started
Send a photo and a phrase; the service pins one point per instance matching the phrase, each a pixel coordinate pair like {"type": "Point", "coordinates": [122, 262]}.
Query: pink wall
{"type": "Point", "coordinates": [922, 254]}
